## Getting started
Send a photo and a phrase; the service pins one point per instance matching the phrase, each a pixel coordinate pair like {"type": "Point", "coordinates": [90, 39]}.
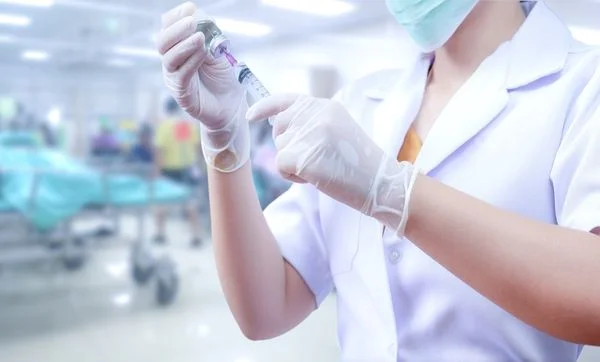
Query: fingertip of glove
{"type": "Point", "coordinates": [251, 113]}
{"type": "Point", "coordinates": [257, 111]}
{"type": "Point", "coordinates": [263, 109]}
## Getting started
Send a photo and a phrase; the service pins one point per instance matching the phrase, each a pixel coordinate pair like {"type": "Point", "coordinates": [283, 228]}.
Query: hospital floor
{"type": "Point", "coordinates": [98, 314]}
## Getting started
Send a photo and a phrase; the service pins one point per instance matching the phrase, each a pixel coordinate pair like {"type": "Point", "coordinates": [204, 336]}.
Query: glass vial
{"type": "Point", "coordinates": [215, 41]}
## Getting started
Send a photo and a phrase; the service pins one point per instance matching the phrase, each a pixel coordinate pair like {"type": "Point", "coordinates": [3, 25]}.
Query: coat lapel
{"type": "Point", "coordinates": [390, 120]}
{"type": "Point", "coordinates": [471, 109]}
{"type": "Point", "coordinates": [396, 114]}
{"type": "Point", "coordinates": [525, 59]}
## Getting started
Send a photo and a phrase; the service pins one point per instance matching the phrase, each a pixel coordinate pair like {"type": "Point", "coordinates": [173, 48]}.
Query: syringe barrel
{"type": "Point", "coordinates": [256, 90]}
{"type": "Point", "coordinates": [254, 86]}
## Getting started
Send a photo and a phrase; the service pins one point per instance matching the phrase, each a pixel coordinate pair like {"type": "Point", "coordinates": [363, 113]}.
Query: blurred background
{"type": "Point", "coordinates": [98, 258]}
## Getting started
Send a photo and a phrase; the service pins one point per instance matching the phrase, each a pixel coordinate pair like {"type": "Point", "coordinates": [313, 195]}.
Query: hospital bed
{"type": "Point", "coordinates": [135, 199]}
{"type": "Point", "coordinates": [42, 192]}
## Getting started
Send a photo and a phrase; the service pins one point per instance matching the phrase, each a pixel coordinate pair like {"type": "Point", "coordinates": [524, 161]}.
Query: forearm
{"type": "Point", "coordinates": [260, 287]}
{"type": "Point", "coordinates": [545, 275]}
{"type": "Point", "coordinates": [201, 163]}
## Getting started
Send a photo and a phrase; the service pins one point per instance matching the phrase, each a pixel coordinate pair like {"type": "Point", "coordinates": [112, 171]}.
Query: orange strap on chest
{"type": "Point", "coordinates": [411, 147]}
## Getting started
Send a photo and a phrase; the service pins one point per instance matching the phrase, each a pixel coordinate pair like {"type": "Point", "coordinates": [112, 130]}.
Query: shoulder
{"type": "Point", "coordinates": [581, 77]}
{"type": "Point", "coordinates": [583, 69]}
{"type": "Point", "coordinates": [580, 48]}
{"type": "Point", "coordinates": [374, 86]}
{"type": "Point", "coordinates": [584, 65]}
{"type": "Point", "coordinates": [583, 59]}
{"type": "Point", "coordinates": [362, 96]}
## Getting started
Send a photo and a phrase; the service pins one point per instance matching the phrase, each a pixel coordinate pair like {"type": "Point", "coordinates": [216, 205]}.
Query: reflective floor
{"type": "Point", "coordinates": [98, 314]}
{"type": "Point", "coordinates": [48, 314]}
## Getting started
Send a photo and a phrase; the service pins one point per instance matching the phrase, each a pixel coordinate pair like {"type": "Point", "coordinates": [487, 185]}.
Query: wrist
{"type": "Point", "coordinates": [423, 206]}
{"type": "Point", "coordinates": [228, 148]}
{"type": "Point", "coordinates": [391, 193]}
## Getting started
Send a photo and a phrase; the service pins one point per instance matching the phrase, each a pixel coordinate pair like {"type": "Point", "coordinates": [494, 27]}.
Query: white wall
{"type": "Point", "coordinates": [85, 94]}
{"type": "Point", "coordinates": [40, 89]}
{"type": "Point", "coordinates": [284, 66]}
{"type": "Point", "coordinates": [82, 95]}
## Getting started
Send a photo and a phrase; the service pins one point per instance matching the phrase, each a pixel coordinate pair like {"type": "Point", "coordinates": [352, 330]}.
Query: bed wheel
{"type": "Point", "coordinates": [74, 256]}
{"type": "Point", "coordinates": [141, 275]}
{"type": "Point", "coordinates": [142, 266]}
{"type": "Point", "coordinates": [167, 284]}
{"type": "Point", "coordinates": [73, 263]}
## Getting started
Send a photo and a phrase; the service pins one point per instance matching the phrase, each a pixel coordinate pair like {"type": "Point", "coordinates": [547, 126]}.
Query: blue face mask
{"type": "Point", "coordinates": [430, 23]}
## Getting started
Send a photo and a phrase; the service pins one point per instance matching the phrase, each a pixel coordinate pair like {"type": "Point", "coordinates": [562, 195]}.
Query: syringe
{"type": "Point", "coordinates": [254, 86]}
{"type": "Point", "coordinates": [251, 83]}
{"type": "Point", "coordinates": [218, 45]}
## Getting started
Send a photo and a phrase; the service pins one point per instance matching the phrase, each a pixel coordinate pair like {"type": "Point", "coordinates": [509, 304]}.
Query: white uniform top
{"type": "Point", "coordinates": [523, 134]}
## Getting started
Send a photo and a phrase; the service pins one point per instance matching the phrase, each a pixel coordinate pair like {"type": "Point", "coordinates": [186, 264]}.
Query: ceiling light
{"type": "Point", "coordinates": [243, 27]}
{"type": "Point", "coordinates": [586, 35]}
{"type": "Point", "coordinates": [54, 117]}
{"type": "Point", "coordinates": [313, 7]}
{"type": "Point", "coordinates": [35, 55]}
{"type": "Point", "coordinates": [38, 3]}
{"type": "Point", "coordinates": [122, 300]}
{"type": "Point", "coordinates": [121, 63]}
{"type": "Point", "coordinates": [15, 20]}
{"type": "Point", "coordinates": [137, 52]}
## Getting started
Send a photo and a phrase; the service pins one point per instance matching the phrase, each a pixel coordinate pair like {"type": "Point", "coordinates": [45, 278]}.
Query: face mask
{"type": "Point", "coordinates": [430, 23]}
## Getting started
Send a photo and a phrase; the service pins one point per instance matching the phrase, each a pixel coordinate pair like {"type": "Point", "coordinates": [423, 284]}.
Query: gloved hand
{"type": "Point", "coordinates": [205, 88]}
{"type": "Point", "coordinates": [319, 143]}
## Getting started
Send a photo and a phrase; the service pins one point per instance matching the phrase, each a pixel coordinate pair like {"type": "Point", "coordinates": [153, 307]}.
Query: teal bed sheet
{"type": "Point", "coordinates": [65, 186]}
{"type": "Point", "coordinates": [5, 206]}
{"type": "Point", "coordinates": [19, 139]}
{"type": "Point", "coordinates": [125, 190]}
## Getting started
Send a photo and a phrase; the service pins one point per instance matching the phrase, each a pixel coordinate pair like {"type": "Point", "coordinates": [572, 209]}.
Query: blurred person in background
{"type": "Point", "coordinates": [106, 143]}
{"type": "Point", "coordinates": [143, 150]}
{"type": "Point", "coordinates": [454, 206]}
{"type": "Point", "coordinates": [48, 136]}
{"type": "Point", "coordinates": [267, 179]}
{"type": "Point", "coordinates": [17, 122]}
{"type": "Point", "coordinates": [178, 148]}
{"type": "Point", "coordinates": [31, 123]}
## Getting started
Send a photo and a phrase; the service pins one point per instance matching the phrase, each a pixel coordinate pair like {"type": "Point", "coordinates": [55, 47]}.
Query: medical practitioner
{"type": "Point", "coordinates": [177, 150]}
{"type": "Point", "coordinates": [454, 205]}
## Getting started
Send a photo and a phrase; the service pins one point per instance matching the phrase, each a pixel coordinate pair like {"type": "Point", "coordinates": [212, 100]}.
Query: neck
{"type": "Point", "coordinates": [489, 24]}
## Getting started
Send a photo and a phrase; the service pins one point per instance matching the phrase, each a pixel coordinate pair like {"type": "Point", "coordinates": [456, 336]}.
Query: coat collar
{"type": "Point", "coordinates": [399, 105]}
{"type": "Point", "coordinates": [539, 49]}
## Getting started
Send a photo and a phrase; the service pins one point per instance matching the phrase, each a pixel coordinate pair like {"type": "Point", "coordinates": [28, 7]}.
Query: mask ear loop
{"type": "Point", "coordinates": [359, 237]}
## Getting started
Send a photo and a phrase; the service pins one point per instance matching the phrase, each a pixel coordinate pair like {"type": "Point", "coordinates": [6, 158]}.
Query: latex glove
{"type": "Point", "coordinates": [319, 142]}
{"type": "Point", "coordinates": [206, 88]}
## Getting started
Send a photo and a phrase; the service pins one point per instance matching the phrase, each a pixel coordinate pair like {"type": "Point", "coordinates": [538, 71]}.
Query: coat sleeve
{"type": "Point", "coordinates": [294, 219]}
{"type": "Point", "coordinates": [576, 171]}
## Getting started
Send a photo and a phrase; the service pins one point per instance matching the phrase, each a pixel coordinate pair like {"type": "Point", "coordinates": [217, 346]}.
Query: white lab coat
{"type": "Point", "coordinates": [523, 134]}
